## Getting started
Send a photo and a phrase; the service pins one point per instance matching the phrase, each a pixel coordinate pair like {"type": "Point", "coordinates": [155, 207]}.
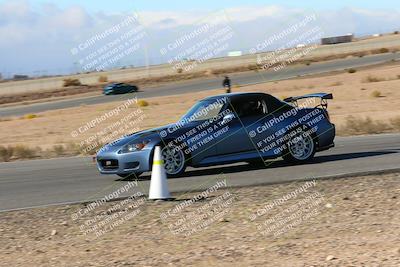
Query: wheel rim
{"type": "Point", "coordinates": [301, 146]}
{"type": "Point", "coordinates": [174, 159]}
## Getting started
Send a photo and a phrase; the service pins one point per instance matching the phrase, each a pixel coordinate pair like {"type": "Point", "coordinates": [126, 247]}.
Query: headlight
{"type": "Point", "coordinates": [133, 147]}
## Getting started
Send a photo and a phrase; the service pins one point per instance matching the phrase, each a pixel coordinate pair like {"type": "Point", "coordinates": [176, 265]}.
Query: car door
{"type": "Point", "coordinates": [124, 88]}
{"type": "Point", "coordinates": [248, 111]}
{"type": "Point", "coordinates": [128, 88]}
{"type": "Point", "coordinates": [117, 88]}
{"type": "Point", "coordinates": [268, 132]}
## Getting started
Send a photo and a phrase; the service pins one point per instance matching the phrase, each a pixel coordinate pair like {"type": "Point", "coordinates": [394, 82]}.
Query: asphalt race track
{"type": "Point", "coordinates": [207, 84]}
{"type": "Point", "coordinates": [33, 183]}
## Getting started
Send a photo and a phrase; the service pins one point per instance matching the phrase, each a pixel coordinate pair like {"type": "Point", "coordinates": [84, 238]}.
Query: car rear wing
{"type": "Point", "coordinates": [322, 96]}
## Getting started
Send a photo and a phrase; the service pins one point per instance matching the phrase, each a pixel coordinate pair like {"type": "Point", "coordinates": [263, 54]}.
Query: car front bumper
{"type": "Point", "coordinates": [108, 92]}
{"type": "Point", "coordinates": [114, 163]}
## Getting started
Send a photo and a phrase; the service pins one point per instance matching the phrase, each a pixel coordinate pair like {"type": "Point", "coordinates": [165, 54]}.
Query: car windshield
{"type": "Point", "coordinates": [204, 110]}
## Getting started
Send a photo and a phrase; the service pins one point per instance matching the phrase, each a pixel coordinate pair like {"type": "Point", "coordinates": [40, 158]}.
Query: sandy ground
{"type": "Point", "coordinates": [352, 96]}
{"type": "Point", "coordinates": [343, 222]}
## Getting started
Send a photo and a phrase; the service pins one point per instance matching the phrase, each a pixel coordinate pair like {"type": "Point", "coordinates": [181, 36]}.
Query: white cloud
{"type": "Point", "coordinates": [15, 9]}
{"type": "Point", "coordinates": [181, 18]}
{"type": "Point", "coordinates": [71, 18]}
{"type": "Point", "coordinates": [241, 14]}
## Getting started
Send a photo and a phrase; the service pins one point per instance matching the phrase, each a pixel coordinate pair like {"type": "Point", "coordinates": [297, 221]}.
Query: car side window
{"type": "Point", "coordinates": [250, 107]}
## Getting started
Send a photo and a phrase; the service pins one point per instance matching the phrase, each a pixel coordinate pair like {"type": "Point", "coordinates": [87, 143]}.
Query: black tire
{"type": "Point", "coordinates": [301, 147]}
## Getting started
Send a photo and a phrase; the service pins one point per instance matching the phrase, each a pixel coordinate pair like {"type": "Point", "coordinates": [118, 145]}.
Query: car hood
{"type": "Point", "coordinates": [152, 134]}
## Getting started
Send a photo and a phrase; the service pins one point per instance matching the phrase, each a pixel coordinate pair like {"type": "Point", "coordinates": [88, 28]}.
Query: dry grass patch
{"type": "Point", "coordinates": [24, 152]}
{"type": "Point", "coordinates": [337, 84]}
{"type": "Point", "coordinates": [351, 70]}
{"type": "Point", "coordinates": [59, 150]}
{"type": "Point", "coordinates": [395, 123]}
{"type": "Point", "coordinates": [354, 126]}
{"type": "Point", "coordinates": [384, 50]}
{"type": "Point", "coordinates": [6, 153]}
{"type": "Point", "coordinates": [103, 79]}
{"type": "Point", "coordinates": [29, 116]}
{"type": "Point", "coordinates": [373, 79]}
{"type": "Point", "coordinates": [71, 82]}
{"type": "Point", "coordinates": [18, 152]}
{"type": "Point", "coordinates": [142, 103]}
{"type": "Point", "coordinates": [376, 94]}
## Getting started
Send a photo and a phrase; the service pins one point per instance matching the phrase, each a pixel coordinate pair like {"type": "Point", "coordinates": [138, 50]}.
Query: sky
{"type": "Point", "coordinates": [180, 5]}
{"type": "Point", "coordinates": [48, 37]}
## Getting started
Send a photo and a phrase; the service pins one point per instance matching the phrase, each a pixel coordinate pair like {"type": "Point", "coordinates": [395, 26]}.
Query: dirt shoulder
{"type": "Point", "coordinates": [343, 222]}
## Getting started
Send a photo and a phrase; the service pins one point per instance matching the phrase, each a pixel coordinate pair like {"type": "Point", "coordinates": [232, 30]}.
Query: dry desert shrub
{"type": "Point", "coordinates": [336, 84]}
{"type": "Point", "coordinates": [376, 93]}
{"type": "Point", "coordinates": [255, 67]}
{"type": "Point", "coordinates": [71, 82]}
{"type": "Point", "coordinates": [6, 153]}
{"type": "Point", "coordinates": [351, 70]}
{"type": "Point", "coordinates": [384, 50]}
{"type": "Point", "coordinates": [142, 103]}
{"type": "Point", "coordinates": [395, 123]}
{"type": "Point", "coordinates": [59, 150]}
{"type": "Point", "coordinates": [24, 152]}
{"type": "Point", "coordinates": [372, 79]}
{"type": "Point", "coordinates": [355, 125]}
{"type": "Point", "coordinates": [5, 119]}
{"type": "Point", "coordinates": [103, 79]}
{"type": "Point", "coordinates": [73, 148]}
{"type": "Point", "coordinates": [30, 116]}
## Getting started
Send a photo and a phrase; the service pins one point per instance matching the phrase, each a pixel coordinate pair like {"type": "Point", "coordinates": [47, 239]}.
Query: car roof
{"type": "Point", "coordinates": [235, 95]}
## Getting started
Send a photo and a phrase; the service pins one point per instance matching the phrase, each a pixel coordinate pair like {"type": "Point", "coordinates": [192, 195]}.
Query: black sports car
{"type": "Point", "coordinates": [119, 88]}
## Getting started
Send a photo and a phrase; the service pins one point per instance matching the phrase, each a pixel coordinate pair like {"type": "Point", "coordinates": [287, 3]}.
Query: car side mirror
{"type": "Point", "coordinates": [228, 118]}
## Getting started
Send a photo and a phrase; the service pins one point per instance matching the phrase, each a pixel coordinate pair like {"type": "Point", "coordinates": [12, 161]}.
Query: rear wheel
{"type": "Point", "coordinates": [174, 160]}
{"type": "Point", "coordinates": [300, 147]}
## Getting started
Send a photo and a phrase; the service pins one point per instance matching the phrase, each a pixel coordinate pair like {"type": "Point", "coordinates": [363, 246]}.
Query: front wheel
{"type": "Point", "coordinates": [300, 147]}
{"type": "Point", "coordinates": [174, 160]}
